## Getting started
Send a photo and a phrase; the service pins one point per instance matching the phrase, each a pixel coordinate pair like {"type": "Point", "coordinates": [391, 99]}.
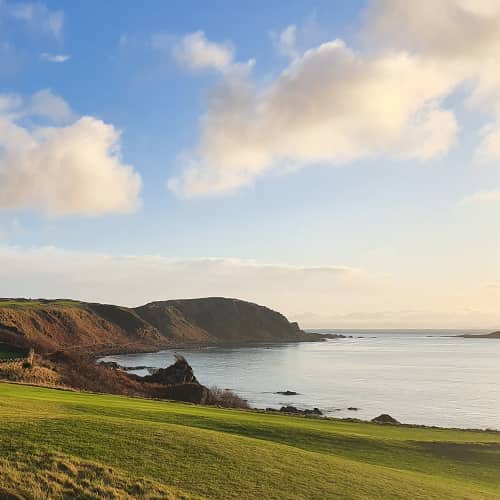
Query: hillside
{"type": "Point", "coordinates": [221, 320]}
{"type": "Point", "coordinates": [130, 448]}
{"type": "Point", "coordinates": [98, 328]}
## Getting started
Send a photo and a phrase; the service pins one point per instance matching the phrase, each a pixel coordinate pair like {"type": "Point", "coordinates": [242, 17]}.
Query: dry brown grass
{"type": "Point", "coordinates": [225, 398]}
{"type": "Point", "coordinates": [17, 371]}
{"type": "Point", "coordinates": [56, 476]}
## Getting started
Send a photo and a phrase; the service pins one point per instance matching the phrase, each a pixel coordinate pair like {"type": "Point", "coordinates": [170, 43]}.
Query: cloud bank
{"type": "Point", "coordinates": [132, 280]}
{"type": "Point", "coordinates": [326, 296]}
{"type": "Point", "coordinates": [73, 168]}
{"type": "Point", "coordinates": [334, 104]}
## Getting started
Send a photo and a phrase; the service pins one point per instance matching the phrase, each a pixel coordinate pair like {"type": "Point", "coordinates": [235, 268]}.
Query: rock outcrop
{"type": "Point", "coordinates": [178, 373]}
{"type": "Point", "coordinates": [179, 382]}
{"type": "Point", "coordinates": [296, 411]}
{"type": "Point", "coordinates": [385, 419]}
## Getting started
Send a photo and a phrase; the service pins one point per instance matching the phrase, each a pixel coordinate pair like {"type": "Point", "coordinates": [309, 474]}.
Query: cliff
{"type": "Point", "coordinates": [220, 320]}
{"type": "Point", "coordinates": [97, 328]}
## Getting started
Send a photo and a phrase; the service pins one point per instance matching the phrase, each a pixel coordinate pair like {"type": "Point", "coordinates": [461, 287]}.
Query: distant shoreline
{"type": "Point", "coordinates": [494, 335]}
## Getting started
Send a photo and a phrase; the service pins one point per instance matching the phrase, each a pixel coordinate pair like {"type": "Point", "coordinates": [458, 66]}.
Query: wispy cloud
{"type": "Point", "coordinates": [55, 58]}
{"type": "Point", "coordinates": [39, 18]}
{"type": "Point", "coordinates": [196, 52]}
{"type": "Point", "coordinates": [285, 41]}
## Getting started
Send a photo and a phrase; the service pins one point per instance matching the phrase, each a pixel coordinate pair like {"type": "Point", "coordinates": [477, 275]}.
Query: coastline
{"type": "Point", "coordinates": [263, 410]}
{"type": "Point", "coordinates": [138, 349]}
{"type": "Point", "coordinates": [366, 374]}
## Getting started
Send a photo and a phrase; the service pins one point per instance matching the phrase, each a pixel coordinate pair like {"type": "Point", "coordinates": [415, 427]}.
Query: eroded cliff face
{"type": "Point", "coordinates": [88, 327]}
{"type": "Point", "coordinates": [226, 320]}
{"type": "Point", "coordinates": [99, 328]}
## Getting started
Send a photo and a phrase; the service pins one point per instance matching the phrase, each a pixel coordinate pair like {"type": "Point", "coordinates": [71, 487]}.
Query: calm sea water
{"type": "Point", "coordinates": [421, 377]}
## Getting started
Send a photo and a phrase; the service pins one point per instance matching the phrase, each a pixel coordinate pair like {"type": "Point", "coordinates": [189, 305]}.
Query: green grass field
{"type": "Point", "coordinates": [55, 443]}
{"type": "Point", "coordinates": [25, 303]}
{"type": "Point", "coordinates": [8, 352]}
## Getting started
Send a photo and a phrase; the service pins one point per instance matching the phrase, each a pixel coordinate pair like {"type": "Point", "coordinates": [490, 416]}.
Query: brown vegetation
{"type": "Point", "coordinates": [67, 335]}
{"type": "Point", "coordinates": [225, 398]}
{"type": "Point", "coordinates": [21, 371]}
{"type": "Point", "coordinates": [69, 370]}
{"type": "Point", "coordinates": [51, 326]}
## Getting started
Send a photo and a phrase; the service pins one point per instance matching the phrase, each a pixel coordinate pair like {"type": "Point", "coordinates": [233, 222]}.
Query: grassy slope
{"type": "Point", "coordinates": [24, 303]}
{"type": "Point", "coordinates": [80, 441]}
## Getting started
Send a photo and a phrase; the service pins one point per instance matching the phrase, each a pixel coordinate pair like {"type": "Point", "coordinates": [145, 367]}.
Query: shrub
{"type": "Point", "coordinates": [16, 371]}
{"type": "Point", "coordinates": [225, 398]}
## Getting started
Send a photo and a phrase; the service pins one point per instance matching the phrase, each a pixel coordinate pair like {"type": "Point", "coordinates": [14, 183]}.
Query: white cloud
{"type": "Point", "coordinates": [196, 52]}
{"type": "Point", "coordinates": [457, 29]}
{"type": "Point", "coordinates": [71, 169]}
{"type": "Point", "coordinates": [55, 58]}
{"type": "Point", "coordinates": [39, 18]}
{"type": "Point", "coordinates": [333, 104]}
{"type": "Point", "coordinates": [330, 105]}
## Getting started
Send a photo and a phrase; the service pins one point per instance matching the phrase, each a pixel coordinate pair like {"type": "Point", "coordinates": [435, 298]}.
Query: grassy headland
{"type": "Point", "coordinates": [85, 445]}
{"type": "Point", "coordinates": [91, 328]}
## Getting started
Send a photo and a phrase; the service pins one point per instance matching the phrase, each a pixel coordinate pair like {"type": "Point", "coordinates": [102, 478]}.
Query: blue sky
{"type": "Point", "coordinates": [335, 160]}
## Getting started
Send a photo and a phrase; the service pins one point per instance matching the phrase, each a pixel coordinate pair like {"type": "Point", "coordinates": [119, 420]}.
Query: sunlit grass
{"type": "Point", "coordinates": [217, 453]}
{"type": "Point", "coordinates": [28, 303]}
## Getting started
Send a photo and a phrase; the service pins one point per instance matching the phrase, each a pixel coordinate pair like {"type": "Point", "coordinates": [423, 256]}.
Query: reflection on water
{"type": "Point", "coordinates": [418, 377]}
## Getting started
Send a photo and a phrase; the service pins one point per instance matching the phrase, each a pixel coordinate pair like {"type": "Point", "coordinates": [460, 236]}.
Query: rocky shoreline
{"type": "Point", "coordinates": [181, 375]}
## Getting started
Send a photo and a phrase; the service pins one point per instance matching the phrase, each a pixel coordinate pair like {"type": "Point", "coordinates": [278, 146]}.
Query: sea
{"type": "Point", "coordinates": [425, 377]}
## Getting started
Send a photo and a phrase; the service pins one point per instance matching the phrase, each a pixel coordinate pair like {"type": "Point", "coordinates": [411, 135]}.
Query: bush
{"type": "Point", "coordinates": [225, 398]}
{"type": "Point", "coordinates": [16, 371]}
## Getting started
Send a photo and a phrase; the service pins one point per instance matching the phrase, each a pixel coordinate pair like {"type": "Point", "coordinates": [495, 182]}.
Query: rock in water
{"type": "Point", "coordinates": [385, 419]}
{"type": "Point", "coordinates": [292, 409]}
{"type": "Point", "coordinates": [178, 373]}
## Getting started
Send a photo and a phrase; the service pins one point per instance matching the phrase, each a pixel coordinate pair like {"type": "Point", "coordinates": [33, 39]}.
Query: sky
{"type": "Point", "coordinates": [335, 160]}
